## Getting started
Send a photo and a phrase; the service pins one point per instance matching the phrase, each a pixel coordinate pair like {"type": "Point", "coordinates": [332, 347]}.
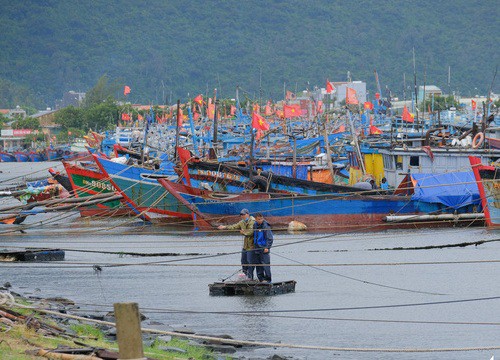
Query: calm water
{"type": "Point", "coordinates": [164, 291]}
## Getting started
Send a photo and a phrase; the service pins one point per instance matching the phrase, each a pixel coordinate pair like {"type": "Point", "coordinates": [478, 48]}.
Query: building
{"type": "Point", "coordinates": [13, 113]}
{"type": "Point", "coordinates": [70, 98]}
{"type": "Point", "coordinates": [430, 90]}
{"type": "Point", "coordinates": [339, 93]}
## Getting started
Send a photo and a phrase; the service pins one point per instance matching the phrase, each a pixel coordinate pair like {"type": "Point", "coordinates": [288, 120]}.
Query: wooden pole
{"type": "Point", "coordinates": [128, 331]}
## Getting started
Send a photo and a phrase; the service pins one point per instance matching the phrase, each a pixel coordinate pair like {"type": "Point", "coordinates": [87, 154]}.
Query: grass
{"type": "Point", "coordinates": [16, 340]}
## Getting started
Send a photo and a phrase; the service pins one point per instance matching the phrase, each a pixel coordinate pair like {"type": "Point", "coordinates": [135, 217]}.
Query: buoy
{"type": "Point", "coordinates": [478, 140]}
{"type": "Point", "coordinates": [296, 226]}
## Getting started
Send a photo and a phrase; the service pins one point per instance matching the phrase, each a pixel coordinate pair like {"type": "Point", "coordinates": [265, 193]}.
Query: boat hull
{"type": "Point", "coordinates": [88, 182]}
{"type": "Point", "coordinates": [326, 212]}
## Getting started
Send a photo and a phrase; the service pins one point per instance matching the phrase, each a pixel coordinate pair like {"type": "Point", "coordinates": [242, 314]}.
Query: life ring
{"type": "Point", "coordinates": [478, 140]}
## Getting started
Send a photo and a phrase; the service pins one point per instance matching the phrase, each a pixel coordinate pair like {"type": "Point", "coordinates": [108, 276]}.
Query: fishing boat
{"type": "Point", "coordinates": [21, 156]}
{"type": "Point", "coordinates": [334, 212]}
{"type": "Point", "coordinates": [226, 177]}
{"type": "Point", "coordinates": [7, 157]}
{"type": "Point", "coordinates": [141, 191]}
{"type": "Point", "coordinates": [88, 181]}
{"type": "Point", "coordinates": [488, 183]}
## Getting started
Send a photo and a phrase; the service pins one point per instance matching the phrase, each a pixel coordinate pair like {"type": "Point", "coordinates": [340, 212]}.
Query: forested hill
{"type": "Point", "coordinates": [159, 47]}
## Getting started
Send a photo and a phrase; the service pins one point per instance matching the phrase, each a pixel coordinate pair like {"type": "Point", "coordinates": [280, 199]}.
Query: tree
{"type": "Point", "coordinates": [102, 92]}
{"type": "Point", "coordinates": [101, 116]}
{"type": "Point", "coordinates": [71, 117]}
{"type": "Point", "coordinates": [27, 123]}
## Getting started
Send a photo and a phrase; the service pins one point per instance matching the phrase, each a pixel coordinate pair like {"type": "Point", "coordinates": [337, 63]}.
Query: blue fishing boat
{"type": "Point", "coordinates": [141, 190]}
{"type": "Point", "coordinates": [7, 157]}
{"type": "Point", "coordinates": [338, 212]}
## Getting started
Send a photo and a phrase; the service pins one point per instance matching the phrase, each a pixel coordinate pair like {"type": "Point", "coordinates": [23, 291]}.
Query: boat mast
{"type": "Point", "coordinates": [177, 128]}
{"type": "Point", "coordinates": [415, 84]}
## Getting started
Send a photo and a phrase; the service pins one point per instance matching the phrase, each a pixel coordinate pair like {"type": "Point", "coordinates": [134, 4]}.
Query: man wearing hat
{"type": "Point", "coordinates": [246, 228]}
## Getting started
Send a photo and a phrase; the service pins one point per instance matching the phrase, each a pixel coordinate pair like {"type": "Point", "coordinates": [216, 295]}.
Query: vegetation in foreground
{"type": "Point", "coordinates": [20, 340]}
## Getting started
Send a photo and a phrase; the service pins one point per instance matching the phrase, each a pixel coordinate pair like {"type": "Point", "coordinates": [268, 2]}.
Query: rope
{"type": "Point", "coordinates": [265, 344]}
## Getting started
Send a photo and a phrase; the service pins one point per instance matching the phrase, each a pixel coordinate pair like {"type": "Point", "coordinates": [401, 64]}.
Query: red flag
{"type": "Point", "coordinates": [198, 99]}
{"type": "Point", "coordinates": [268, 111]}
{"type": "Point", "coordinates": [350, 96]}
{"type": "Point", "coordinates": [375, 130]}
{"type": "Point", "coordinates": [280, 113]}
{"type": "Point", "coordinates": [329, 87]}
{"type": "Point", "coordinates": [139, 117]}
{"type": "Point", "coordinates": [126, 117]}
{"type": "Point", "coordinates": [233, 110]}
{"type": "Point", "coordinates": [407, 116]}
{"type": "Point", "coordinates": [377, 96]}
{"type": "Point", "coordinates": [196, 116]}
{"type": "Point", "coordinates": [368, 105]}
{"type": "Point", "coordinates": [256, 108]}
{"type": "Point", "coordinates": [474, 105]}
{"type": "Point", "coordinates": [341, 129]}
{"type": "Point", "coordinates": [126, 90]}
{"type": "Point", "coordinates": [289, 95]}
{"type": "Point", "coordinates": [320, 106]}
{"type": "Point", "coordinates": [258, 122]}
{"type": "Point", "coordinates": [185, 157]}
{"type": "Point", "coordinates": [291, 111]}
{"type": "Point", "coordinates": [211, 111]}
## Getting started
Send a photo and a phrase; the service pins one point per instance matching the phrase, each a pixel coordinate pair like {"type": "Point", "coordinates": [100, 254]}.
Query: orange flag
{"type": "Point", "coordinates": [258, 122]}
{"type": "Point", "coordinates": [329, 87]}
{"type": "Point", "coordinates": [473, 104]}
{"type": "Point", "coordinates": [407, 116]}
{"type": "Point", "coordinates": [126, 117]}
{"type": "Point", "coordinates": [368, 105]}
{"type": "Point", "coordinates": [139, 117]}
{"type": "Point", "coordinates": [126, 90]}
{"type": "Point", "coordinates": [350, 96]}
{"type": "Point", "coordinates": [291, 111]}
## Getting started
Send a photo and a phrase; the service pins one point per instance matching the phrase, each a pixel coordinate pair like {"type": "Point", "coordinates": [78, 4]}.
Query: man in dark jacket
{"type": "Point", "coordinates": [263, 240]}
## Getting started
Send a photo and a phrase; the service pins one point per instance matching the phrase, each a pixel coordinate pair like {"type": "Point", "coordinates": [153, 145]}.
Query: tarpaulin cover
{"type": "Point", "coordinates": [454, 190]}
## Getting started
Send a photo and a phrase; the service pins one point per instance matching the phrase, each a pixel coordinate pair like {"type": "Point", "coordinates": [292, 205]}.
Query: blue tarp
{"type": "Point", "coordinates": [454, 190]}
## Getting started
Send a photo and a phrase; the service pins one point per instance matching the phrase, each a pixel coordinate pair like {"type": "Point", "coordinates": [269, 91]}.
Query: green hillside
{"type": "Point", "coordinates": [175, 48]}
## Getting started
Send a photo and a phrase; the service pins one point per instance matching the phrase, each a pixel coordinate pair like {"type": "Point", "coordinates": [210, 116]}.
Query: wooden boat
{"type": "Point", "coordinates": [7, 157]}
{"type": "Point", "coordinates": [488, 183]}
{"type": "Point", "coordinates": [251, 287]}
{"type": "Point", "coordinates": [141, 190]}
{"type": "Point", "coordinates": [228, 177]}
{"type": "Point", "coordinates": [88, 181]}
{"type": "Point", "coordinates": [319, 212]}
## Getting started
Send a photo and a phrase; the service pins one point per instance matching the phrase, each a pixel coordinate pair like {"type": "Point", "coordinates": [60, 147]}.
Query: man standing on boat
{"type": "Point", "coordinates": [263, 240]}
{"type": "Point", "coordinates": [246, 229]}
